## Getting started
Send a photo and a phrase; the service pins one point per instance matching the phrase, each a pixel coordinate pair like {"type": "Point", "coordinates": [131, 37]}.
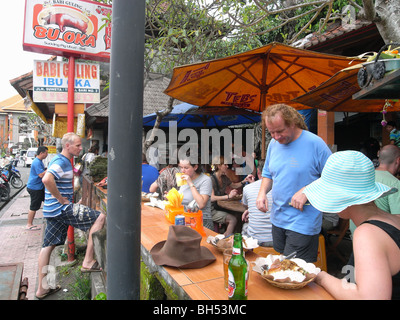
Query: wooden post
{"type": "Point", "coordinates": [326, 126]}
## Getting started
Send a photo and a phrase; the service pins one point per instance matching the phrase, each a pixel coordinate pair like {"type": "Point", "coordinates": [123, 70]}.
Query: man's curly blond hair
{"type": "Point", "coordinates": [289, 115]}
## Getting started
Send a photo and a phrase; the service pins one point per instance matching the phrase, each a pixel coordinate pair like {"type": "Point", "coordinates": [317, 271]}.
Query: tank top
{"type": "Point", "coordinates": [394, 233]}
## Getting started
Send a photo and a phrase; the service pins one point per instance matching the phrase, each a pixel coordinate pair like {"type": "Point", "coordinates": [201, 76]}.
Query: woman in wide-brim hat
{"type": "Point", "coordinates": [347, 187]}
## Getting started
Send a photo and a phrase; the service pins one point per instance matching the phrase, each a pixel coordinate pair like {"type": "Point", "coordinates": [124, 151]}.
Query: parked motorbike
{"type": "Point", "coordinates": [4, 188]}
{"type": "Point", "coordinates": [13, 175]}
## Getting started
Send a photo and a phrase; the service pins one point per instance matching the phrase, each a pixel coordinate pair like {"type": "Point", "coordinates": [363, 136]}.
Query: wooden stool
{"type": "Point", "coordinates": [219, 227]}
{"type": "Point", "coordinates": [321, 258]}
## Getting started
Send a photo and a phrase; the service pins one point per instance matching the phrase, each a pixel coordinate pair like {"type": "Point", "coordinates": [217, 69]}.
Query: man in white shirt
{"type": "Point", "coordinates": [259, 225]}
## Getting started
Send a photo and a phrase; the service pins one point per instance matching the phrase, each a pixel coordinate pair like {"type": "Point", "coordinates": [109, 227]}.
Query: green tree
{"type": "Point", "coordinates": [180, 32]}
{"type": "Point", "coordinates": [290, 20]}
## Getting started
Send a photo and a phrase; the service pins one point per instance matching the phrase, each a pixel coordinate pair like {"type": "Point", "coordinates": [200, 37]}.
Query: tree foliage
{"type": "Point", "coordinates": [180, 32]}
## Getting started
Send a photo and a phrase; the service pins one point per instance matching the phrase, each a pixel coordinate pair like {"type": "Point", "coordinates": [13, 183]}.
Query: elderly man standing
{"type": "Point", "coordinates": [60, 212]}
{"type": "Point", "coordinates": [295, 158]}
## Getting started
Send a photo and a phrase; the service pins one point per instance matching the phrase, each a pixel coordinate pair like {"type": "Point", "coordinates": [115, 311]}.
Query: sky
{"type": "Point", "coordinates": [14, 61]}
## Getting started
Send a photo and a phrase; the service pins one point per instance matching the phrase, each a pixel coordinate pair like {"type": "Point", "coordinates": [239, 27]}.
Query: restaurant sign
{"type": "Point", "coordinates": [50, 82]}
{"type": "Point", "coordinates": [66, 28]}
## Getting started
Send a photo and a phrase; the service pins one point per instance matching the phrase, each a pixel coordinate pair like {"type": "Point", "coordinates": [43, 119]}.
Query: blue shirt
{"type": "Point", "coordinates": [149, 175]}
{"type": "Point", "coordinates": [34, 181]}
{"type": "Point", "coordinates": [293, 166]}
{"type": "Point", "coordinates": [395, 136]}
{"type": "Point", "coordinates": [60, 167]}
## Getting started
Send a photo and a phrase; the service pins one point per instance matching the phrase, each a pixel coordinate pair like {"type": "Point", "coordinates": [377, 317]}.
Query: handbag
{"type": "Point", "coordinates": [78, 169]}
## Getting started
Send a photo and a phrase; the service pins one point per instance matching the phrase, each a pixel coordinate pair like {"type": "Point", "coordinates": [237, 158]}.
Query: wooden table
{"type": "Point", "coordinates": [208, 283]}
{"type": "Point", "coordinates": [236, 208]}
{"type": "Point", "coordinates": [232, 205]}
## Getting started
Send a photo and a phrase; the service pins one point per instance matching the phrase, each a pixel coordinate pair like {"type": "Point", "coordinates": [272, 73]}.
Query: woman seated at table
{"type": "Point", "coordinates": [198, 187]}
{"type": "Point", "coordinates": [165, 181]}
{"type": "Point", "coordinates": [224, 189]}
{"type": "Point", "coordinates": [347, 187]}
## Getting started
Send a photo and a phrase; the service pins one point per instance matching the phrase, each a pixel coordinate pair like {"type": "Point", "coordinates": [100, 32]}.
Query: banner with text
{"type": "Point", "coordinates": [50, 82]}
{"type": "Point", "coordinates": [63, 27]}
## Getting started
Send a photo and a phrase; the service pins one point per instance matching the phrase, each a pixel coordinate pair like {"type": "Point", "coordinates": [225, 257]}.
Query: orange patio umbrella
{"type": "Point", "coordinates": [336, 94]}
{"type": "Point", "coordinates": [255, 79]}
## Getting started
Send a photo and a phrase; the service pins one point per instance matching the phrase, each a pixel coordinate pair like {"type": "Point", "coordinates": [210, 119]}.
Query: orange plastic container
{"type": "Point", "coordinates": [194, 220]}
{"type": "Point", "coordinates": [171, 212]}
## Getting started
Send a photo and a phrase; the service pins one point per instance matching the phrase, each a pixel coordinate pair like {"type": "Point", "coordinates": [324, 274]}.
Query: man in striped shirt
{"type": "Point", "coordinates": [259, 224]}
{"type": "Point", "coordinates": [60, 212]}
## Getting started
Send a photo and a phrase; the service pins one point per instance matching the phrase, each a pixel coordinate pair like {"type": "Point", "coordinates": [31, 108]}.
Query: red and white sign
{"type": "Point", "coordinates": [50, 82]}
{"type": "Point", "coordinates": [68, 27]}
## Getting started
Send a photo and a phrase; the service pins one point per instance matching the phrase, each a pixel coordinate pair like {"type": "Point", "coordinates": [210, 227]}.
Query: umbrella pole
{"type": "Point", "coordinates": [263, 94]}
{"type": "Point", "coordinates": [262, 139]}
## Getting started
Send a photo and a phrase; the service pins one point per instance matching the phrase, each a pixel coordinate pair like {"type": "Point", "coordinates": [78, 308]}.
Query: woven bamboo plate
{"type": "Point", "coordinates": [287, 284]}
{"type": "Point", "coordinates": [227, 243]}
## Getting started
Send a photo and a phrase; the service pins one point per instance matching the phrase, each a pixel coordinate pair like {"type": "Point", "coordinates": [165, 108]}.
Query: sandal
{"type": "Point", "coordinates": [94, 268]}
{"type": "Point", "coordinates": [51, 291]}
{"type": "Point", "coordinates": [32, 228]}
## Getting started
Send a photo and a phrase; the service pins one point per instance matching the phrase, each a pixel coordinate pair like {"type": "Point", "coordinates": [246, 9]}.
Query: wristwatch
{"type": "Point", "coordinates": [192, 185]}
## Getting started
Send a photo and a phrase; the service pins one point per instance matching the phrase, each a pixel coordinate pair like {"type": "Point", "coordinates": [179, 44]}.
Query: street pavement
{"type": "Point", "coordinates": [16, 243]}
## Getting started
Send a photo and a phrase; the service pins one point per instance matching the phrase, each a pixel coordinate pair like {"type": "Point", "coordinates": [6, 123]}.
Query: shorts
{"type": "Point", "coordinates": [287, 241]}
{"type": "Point", "coordinates": [37, 197]}
{"type": "Point", "coordinates": [219, 216]}
{"type": "Point", "coordinates": [75, 215]}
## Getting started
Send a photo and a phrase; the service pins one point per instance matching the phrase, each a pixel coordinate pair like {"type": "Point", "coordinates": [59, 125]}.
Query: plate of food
{"type": "Point", "coordinates": [221, 242]}
{"type": "Point", "coordinates": [286, 273]}
{"type": "Point", "coordinates": [147, 196]}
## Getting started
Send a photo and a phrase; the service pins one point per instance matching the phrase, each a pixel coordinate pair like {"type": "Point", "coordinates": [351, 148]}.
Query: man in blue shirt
{"type": "Point", "coordinates": [60, 212]}
{"type": "Point", "coordinates": [394, 134]}
{"type": "Point", "coordinates": [295, 158]}
{"type": "Point", "coordinates": [35, 185]}
{"type": "Point", "coordinates": [149, 174]}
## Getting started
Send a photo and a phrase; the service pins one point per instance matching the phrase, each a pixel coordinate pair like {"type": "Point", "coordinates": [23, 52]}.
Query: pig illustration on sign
{"type": "Point", "coordinates": [65, 20]}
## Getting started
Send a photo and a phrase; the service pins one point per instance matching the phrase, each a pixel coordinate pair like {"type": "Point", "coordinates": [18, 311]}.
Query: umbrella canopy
{"type": "Point", "coordinates": [336, 95]}
{"type": "Point", "coordinates": [275, 73]}
{"type": "Point", "coordinates": [189, 116]}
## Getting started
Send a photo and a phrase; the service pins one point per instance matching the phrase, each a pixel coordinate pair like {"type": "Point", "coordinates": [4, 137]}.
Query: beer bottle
{"type": "Point", "coordinates": [238, 271]}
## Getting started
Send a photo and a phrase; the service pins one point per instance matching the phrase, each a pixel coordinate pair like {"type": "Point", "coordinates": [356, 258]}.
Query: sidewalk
{"type": "Point", "coordinates": [18, 244]}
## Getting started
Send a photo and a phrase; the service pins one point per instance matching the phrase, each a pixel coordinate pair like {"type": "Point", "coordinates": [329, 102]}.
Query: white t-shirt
{"type": "Point", "coordinates": [259, 226]}
{"type": "Point", "coordinates": [203, 184]}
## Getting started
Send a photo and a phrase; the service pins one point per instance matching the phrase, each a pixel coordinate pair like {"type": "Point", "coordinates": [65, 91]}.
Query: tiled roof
{"type": "Point", "coordinates": [334, 30]}
{"type": "Point", "coordinates": [359, 36]}
{"type": "Point", "coordinates": [154, 98]}
{"type": "Point", "coordinates": [15, 103]}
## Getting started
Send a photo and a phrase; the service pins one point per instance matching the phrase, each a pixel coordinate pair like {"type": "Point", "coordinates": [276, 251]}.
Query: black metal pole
{"type": "Point", "coordinates": [124, 150]}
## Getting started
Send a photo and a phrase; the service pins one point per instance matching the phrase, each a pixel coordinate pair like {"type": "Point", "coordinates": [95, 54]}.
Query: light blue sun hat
{"type": "Point", "coordinates": [347, 179]}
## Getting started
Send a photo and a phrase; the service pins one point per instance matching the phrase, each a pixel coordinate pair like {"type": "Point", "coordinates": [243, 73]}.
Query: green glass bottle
{"type": "Point", "coordinates": [238, 271]}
